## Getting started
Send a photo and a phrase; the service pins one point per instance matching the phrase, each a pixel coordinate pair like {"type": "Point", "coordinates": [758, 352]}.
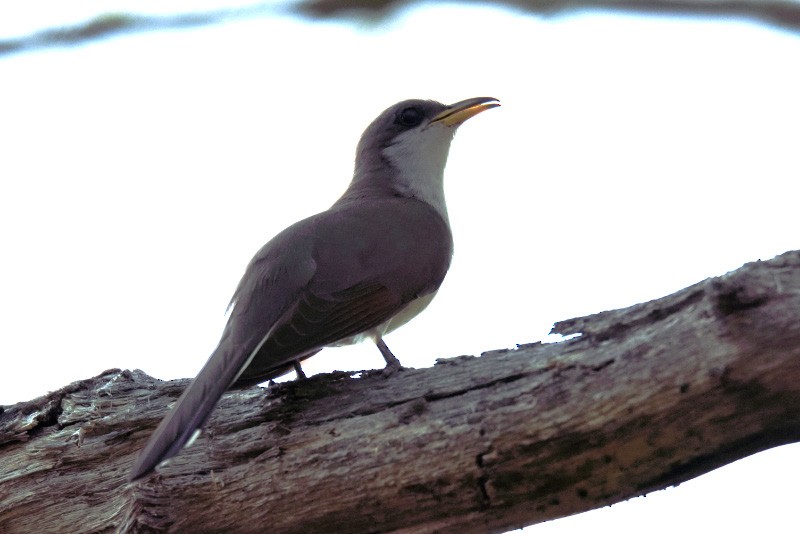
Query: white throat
{"type": "Point", "coordinates": [420, 157]}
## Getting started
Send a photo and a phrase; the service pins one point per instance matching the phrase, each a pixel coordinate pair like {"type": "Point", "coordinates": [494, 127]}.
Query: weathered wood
{"type": "Point", "coordinates": [646, 397]}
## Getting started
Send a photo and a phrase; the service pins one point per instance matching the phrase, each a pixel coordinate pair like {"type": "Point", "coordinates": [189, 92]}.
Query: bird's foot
{"type": "Point", "coordinates": [389, 370]}
{"type": "Point", "coordinates": [392, 363]}
{"type": "Point", "coordinates": [298, 370]}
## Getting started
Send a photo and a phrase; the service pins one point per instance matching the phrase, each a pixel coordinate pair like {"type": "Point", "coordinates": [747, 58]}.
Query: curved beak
{"type": "Point", "coordinates": [457, 113]}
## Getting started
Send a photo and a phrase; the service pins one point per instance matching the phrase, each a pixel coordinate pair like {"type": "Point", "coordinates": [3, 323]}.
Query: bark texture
{"type": "Point", "coordinates": [646, 397]}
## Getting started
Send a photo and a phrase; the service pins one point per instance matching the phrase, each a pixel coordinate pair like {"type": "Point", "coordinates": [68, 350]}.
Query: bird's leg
{"type": "Point", "coordinates": [298, 370]}
{"type": "Point", "coordinates": [392, 363]}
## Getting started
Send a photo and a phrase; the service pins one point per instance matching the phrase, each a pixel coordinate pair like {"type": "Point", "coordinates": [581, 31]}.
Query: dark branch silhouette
{"type": "Point", "coordinates": [778, 13]}
{"type": "Point", "coordinates": [111, 24]}
{"type": "Point", "coordinates": [784, 14]}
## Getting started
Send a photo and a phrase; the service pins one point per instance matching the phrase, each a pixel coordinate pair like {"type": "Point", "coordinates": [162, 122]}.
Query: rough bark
{"type": "Point", "coordinates": [645, 398]}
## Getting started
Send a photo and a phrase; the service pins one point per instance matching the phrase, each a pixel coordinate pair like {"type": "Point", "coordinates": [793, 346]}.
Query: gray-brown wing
{"type": "Point", "coordinates": [309, 324]}
{"type": "Point", "coordinates": [322, 280]}
{"type": "Point", "coordinates": [372, 259]}
{"type": "Point", "coordinates": [317, 320]}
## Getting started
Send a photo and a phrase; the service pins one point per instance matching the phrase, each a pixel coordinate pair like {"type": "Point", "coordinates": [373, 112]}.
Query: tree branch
{"type": "Point", "coordinates": [646, 397]}
{"type": "Point", "coordinates": [779, 13]}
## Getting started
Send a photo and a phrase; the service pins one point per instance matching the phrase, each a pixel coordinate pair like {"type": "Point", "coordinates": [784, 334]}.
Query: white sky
{"type": "Point", "coordinates": [631, 157]}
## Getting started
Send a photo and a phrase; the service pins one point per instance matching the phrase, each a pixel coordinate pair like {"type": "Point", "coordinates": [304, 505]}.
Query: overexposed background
{"type": "Point", "coordinates": [633, 156]}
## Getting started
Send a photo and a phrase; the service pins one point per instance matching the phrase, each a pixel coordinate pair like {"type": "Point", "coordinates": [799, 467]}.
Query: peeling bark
{"type": "Point", "coordinates": [646, 397]}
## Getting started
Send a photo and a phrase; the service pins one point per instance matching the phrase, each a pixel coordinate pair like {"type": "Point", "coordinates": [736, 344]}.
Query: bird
{"type": "Point", "coordinates": [357, 271]}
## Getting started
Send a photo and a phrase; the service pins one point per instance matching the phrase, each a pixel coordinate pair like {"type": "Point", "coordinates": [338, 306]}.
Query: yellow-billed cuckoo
{"type": "Point", "coordinates": [357, 271]}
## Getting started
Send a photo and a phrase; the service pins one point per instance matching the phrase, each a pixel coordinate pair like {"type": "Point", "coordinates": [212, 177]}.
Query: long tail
{"type": "Point", "coordinates": [191, 411]}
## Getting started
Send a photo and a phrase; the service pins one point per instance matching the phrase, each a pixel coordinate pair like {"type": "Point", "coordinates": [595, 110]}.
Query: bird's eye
{"type": "Point", "coordinates": [410, 117]}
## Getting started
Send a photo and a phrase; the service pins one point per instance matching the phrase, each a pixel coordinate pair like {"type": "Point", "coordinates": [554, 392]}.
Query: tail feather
{"type": "Point", "coordinates": [189, 414]}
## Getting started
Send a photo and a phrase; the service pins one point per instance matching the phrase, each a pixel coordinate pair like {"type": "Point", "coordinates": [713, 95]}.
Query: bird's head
{"type": "Point", "coordinates": [406, 147]}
